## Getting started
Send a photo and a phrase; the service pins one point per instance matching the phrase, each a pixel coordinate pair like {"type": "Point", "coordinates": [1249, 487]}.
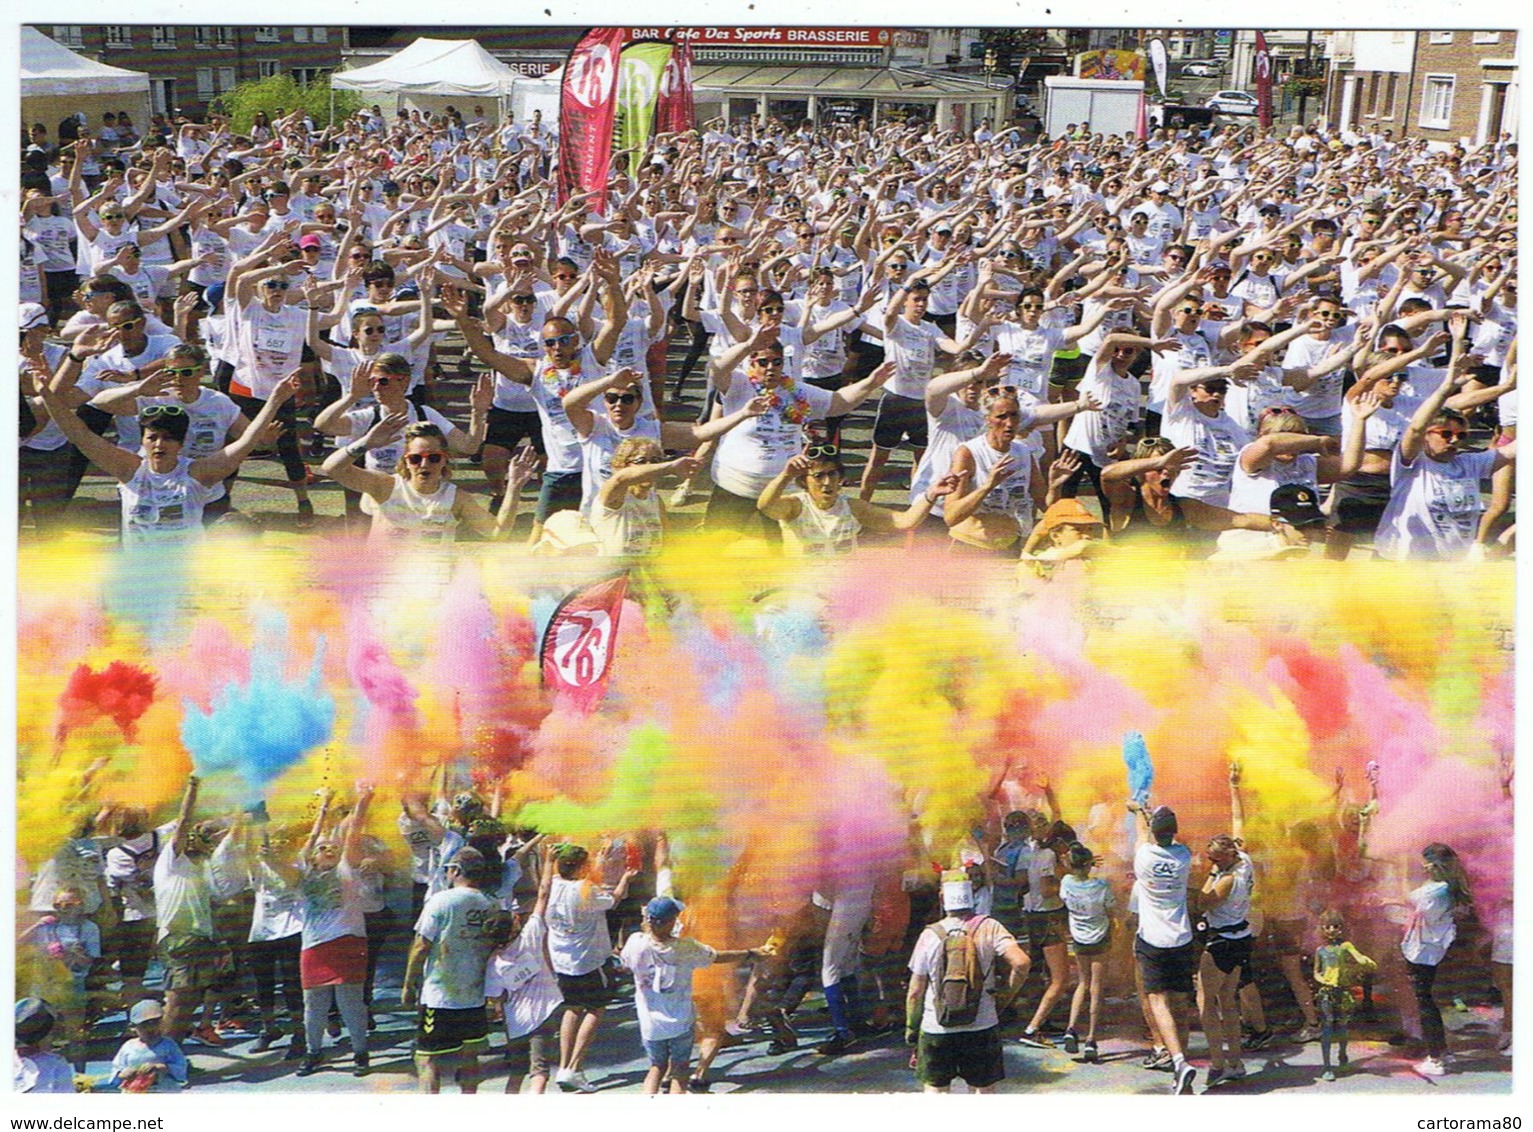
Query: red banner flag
{"type": "Point", "coordinates": [587, 112]}
{"type": "Point", "coordinates": [674, 112]}
{"type": "Point", "coordinates": [1263, 70]}
{"type": "Point", "coordinates": [577, 650]}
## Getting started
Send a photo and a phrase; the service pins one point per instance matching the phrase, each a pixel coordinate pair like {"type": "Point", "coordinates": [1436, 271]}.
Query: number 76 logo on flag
{"type": "Point", "coordinates": [577, 648]}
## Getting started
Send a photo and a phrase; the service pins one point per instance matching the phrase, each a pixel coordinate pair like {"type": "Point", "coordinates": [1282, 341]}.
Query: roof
{"type": "Point", "coordinates": [853, 82]}
{"type": "Point", "coordinates": [432, 66]}
{"type": "Point", "coordinates": [48, 67]}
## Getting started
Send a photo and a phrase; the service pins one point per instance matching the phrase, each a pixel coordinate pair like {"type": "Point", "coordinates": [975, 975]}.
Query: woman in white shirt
{"type": "Point", "coordinates": [1429, 932]}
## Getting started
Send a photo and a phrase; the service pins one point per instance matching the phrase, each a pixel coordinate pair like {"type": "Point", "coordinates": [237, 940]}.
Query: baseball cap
{"type": "Point", "coordinates": [1162, 820]}
{"type": "Point", "coordinates": [214, 295]}
{"type": "Point", "coordinates": [34, 1019]}
{"type": "Point", "coordinates": [663, 908]}
{"type": "Point", "coordinates": [1160, 187]}
{"type": "Point", "coordinates": [1296, 504]}
{"type": "Point", "coordinates": [309, 241]}
{"type": "Point", "coordinates": [145, 1010]}
{"type": "Point", "coordinates": [944, 227]}
{"type": "Point", "coordinates": [390, 186]}
{"type": "Point", "coordinates": [33, 315]}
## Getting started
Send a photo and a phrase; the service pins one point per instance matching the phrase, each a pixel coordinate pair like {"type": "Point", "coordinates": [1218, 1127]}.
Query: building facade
{"type": "Point", "coordinates": [1464, 87]}
{"type": "Point", "coordinates": [191, 65]}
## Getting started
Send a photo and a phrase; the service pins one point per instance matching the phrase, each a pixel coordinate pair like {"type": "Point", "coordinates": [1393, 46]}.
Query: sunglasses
{"type": "Point", "coordinates": [156, 412]}
{"type": "Point", "coordinates": [1329, 316]}
{"type": "Point", "coordinates": [1215, 387]}
{"type": "Point", "coordinates": [370, 330]}
{"type": "Point", "coordinates": [560, 340]}
{"type": "Point", "coordinates": [614, 398]}
{"type": "Point", "coordinates": [772, 310]}
{"type": "Point", "coordinates": [113, 216]}
{"type": "Point", "coordinates": [1451, 434]}
{"type": "Point", "coordinates": [359, 255]}
{"type": "Point", "coordinates": [523, 300]}
{"type": "Point", "coordinates": [746, 290]}
{"type": "Point", "coordinates": [129, 325]}
{"type": "Point", "coordinates": [416, 459]}
{"type": "Point", "coordinates": [822, 451]}
{"type": "Point", "coordinates": [182, 371]}
{"type": "Point", "coordinates": [1189, 310]}
{"type": "Point", "coordinates": [276, 285]}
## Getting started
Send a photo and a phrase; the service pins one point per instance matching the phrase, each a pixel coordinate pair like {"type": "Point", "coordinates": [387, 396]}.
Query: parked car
{"type": "Point", "coordinates": [1200, 70]}
{"type": "Point", "coordinates": [1232, 102]}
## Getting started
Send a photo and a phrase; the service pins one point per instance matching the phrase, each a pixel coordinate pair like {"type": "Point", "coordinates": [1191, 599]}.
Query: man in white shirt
{"type": "Point", "coordinates": [1163, 944]}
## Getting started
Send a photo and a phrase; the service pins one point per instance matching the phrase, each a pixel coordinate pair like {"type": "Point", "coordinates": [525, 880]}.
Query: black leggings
{"type": "Point", "coordinates": [288, 450]}
{"type": "Point", "coordinates": [273, 961]}
{"type": "Point", "coordinates": [379, 926]}
{"type": "Point", "coordinates": [1090, 471]}
{"type": "Point", "coordinates": [1423, 975]}
{"type": "Point", "coordinates": [698, 348]}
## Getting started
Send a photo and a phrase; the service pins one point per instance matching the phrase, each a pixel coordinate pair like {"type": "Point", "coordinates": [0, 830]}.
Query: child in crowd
{"type": "Point", "coordinates": [148, 1062]}
{"type": "Point", "coordinates": [1339, 967]}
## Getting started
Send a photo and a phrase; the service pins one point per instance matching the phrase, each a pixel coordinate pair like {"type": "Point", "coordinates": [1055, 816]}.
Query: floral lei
{"type": "Point", "coordinates": [550, 376]}
{"type": "Point", "coordinates": [787, 399]}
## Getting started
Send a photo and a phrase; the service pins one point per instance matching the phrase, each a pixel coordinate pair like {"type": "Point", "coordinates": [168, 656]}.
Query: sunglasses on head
{"type": "Point", "coordinates": [613, 397]}
{"type": "Point", "coordinates": [157, 412]}
{"type": "Point", "coordinates": [559, 340]}
{"type": "Point", "coordinates": [822, 451]}
{"type": "Point", "coordinates": [416, 459]}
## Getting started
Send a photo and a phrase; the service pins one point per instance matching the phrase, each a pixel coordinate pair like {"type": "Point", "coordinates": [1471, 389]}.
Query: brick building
{"type": "Point", "coordinates": [1464, 85]}
{"type": "Point", "coordinates": [190, 65]}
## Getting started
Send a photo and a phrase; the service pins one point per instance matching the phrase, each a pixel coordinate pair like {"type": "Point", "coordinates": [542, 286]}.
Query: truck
{"type": "Point", "coordinates": [1106, 106]}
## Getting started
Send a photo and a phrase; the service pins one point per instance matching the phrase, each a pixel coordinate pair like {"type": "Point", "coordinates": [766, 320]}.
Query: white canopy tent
{"type": "Point", "coordinates": [430, 74]}
{"type": "Point", "coordinates": [57, 82]}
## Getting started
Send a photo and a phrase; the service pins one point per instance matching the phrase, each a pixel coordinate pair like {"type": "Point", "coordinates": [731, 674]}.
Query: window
{"type": "Point", "coordinates": [70, 35]}
{"type": "Point", "coordinates": [213, 81]}
{"type": "Point", "coordinates": [119, 36]}
{"type": "Point", "coordinates": [205, 37]}
{"type": "Point", "coordinates": [300, 35]}
{"type": "Point", "coordinates": [303, 76]}
{"type": "Point", "coordinates": [1487, 37]}
{"type": "Point", "coordinates": [1440, 37]}
{"type": "Point", "coordinates": [224, 36]}
{"type": "Point", "coordinates": [1373, 95]}
{"type": "Point", "coordinates": [202, 37]}
{"type": "Point", "coordinates": [1436, 102]}
{"type": "Point", "coordinates": [268, 35]}
{"type": "Point", "coordinates": [322, 35]}
{"type": "Point", "coordinates": [1391, 85]}
{"type": "Point", "coordinates": [162, 95]}
{"type": "Point", "coordinates": [268, 68]}
{"type": "Point", "coordinates": [162, 37]}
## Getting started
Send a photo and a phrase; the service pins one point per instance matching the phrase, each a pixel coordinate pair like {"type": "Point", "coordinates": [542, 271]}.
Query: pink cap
{"type": "Point", "coordinates": [309, 241]}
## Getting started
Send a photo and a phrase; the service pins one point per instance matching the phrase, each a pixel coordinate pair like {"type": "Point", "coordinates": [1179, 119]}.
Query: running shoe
{"type": "Point", "coordinates": [1157, 1058]}
{"type": "Point", "coordinates": [1431, 1067]}
{"type": "Point", "coordinates": [1071, 1041]}
{"type": "Point", "coordinates": [779, 1046]}
{"type": "Point", "coordinates": [1215, 1077]}
{"type": "Point", "coordinates": [1036, 1040]}
{"type": "Point", "coordinates": [207, 1036]}
{"type": "Point", "coordinates": [1328, 1075]}
{"type": "Point", "coordinates": [578, 1083]}
{"type": "Point", "coordinates": [267, 1039]}
{"type": "Point", "coordinates": [837, 1043]}
{"type": "Point", "coordinates": [1238, 1071]}
{"type": "Point", "coordinates": [1307, 1034]}
{"type": "Point", "coordinates": [308, 1068]}
{"type": "Point", "coordinates": [1089, 1051]}
{"type": "Point", "coordinates": [697, 1085]}
{"type": "Point", "coordinates": [360, 1065]}
{"type": "Point", "coordinates": [1258, 1039]}
{"type": "Point", "coordinates": [1184, 1079]}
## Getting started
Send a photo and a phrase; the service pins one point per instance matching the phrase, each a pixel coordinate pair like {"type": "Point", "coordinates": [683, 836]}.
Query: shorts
{"type": "Point", "coordinates": [1045, 929]}
{"type": "Point", "coordinates": [1359, 504]}
{"type": "Point", "coordinates": [192, 962]}
{"type": "Point", "coordinates": [670, 1051]}
{"type": "Point", "coordinates": [532, 1054]}
{"type": "Point", "coordinates": [560, 492]}
{"type": "Point", "coordinates": [1068, 370]}
{"type": "Point", "coordinates": [591, 991]}
{"type": "Point", "coordinates": [442, 1030]}
{"type": "Point", "coordinates": [1013, 920]}
{"type": "Point", "coordinates": [1229, 954]}
{"type": "Point", "coordinates": [506, 429]}
{"type": "Point", "coordinates": [899, 417]}
{"type": "Point", "coordinates": [974, 1055]}
{"type": "Point", "coordinates": [1087, 950]}
{"type": "Point", "coordinates": [1166, 970]}
{"type": "Point", "coordinates": [1323, 426]}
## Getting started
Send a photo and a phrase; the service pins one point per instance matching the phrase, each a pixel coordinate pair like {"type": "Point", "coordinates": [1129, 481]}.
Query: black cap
{"type": "Point", "coordinates": [1296, 504]}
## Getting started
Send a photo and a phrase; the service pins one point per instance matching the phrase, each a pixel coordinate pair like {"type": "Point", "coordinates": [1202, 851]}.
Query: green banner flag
{"type": "Point", "coordinates": [638, 87]}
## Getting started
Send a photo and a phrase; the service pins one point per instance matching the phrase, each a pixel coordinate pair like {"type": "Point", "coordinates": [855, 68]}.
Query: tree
{"type": "Point", "coordinates": [282, 92]}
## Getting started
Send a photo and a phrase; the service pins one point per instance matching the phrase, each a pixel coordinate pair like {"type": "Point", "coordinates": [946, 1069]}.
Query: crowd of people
{"type": "Point", "coordinates": [267, 930]}
{"type": "Point", "coordinates": [1248, 342]}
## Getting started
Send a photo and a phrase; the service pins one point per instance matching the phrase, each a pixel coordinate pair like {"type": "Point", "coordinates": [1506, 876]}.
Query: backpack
{"type": "Point", "coordinates": [959, 980]}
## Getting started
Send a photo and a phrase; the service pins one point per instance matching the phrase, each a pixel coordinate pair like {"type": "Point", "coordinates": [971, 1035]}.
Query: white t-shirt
{"type": "Point", "coordinates": [1323, 398]}
{"type": "Point", "coordinates": [1091, 905]}
{"type": "Point", "coordinates": [332, 904]}
{"type": "Point", "coordinates": [578, 940]}
{"type": "Point", "coordinates": [1434, 507]}
{"type": "Point", "coordinates": [991, 942]}
{"type": "Point", "coordinates": [1218, 440]}
{"type": "Point", "coordinates": [751, 454]}
{"type": "Point", "coordinates": [1095, 433]}
{"type": "Point", "coordinates": [912, 347]}
{"type": "Point", "coordinates": [662, 982]}
{"type": "Point", "coordinates": [455, 966]}
{"type": "Point", "coordinates": [519, 971]}
{"type": "Point", "coordinates": [1160, 893]}
{"type": "Point", "coordinates": [182, 892]}
{"type": "Point", "coordinates": [1430, 931]}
